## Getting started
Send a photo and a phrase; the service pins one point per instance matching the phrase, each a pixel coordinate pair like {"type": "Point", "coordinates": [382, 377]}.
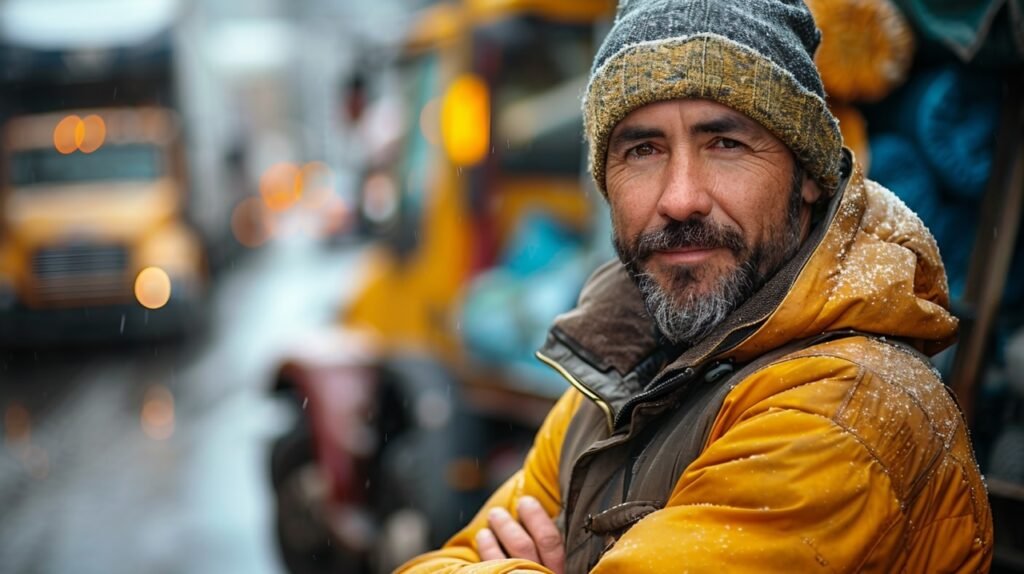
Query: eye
{"type": "Point", "coordinates": [726, 143]}
{"type": "Point", "coordinates": [642, 150]}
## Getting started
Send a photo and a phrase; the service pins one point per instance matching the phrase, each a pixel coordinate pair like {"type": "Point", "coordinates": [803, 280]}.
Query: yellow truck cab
{"type": "Point", "coordinates": [492, 134]}
{"type": "Point", "coordinates": [401, 428]}
{"type": "Point", "coordinates": [93, 242]}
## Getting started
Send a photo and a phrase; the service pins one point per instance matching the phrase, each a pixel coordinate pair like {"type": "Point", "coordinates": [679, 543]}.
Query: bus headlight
{"type": "Point", "coordinates": [152, 287]}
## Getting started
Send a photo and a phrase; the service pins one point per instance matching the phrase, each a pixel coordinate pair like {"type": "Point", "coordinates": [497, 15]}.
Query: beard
{"type": "Point", "coordinates": [682, 312]}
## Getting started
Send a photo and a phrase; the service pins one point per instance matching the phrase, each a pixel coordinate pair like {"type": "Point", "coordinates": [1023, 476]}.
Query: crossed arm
{"type": "Point", "coordinates": [780, 490]}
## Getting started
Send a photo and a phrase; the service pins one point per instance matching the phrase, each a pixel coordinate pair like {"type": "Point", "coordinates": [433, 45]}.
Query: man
{"type": "Point", "coordinates": [749, 386]}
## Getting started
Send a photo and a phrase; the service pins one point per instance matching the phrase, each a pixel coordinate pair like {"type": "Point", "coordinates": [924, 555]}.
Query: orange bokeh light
{"type": "Point", "coordinates": [66, 134]}
{"type": "Point", "coordinates": [17, 424]}
{"type": "Point", "coordinates": [335, 216]}
{"type": "Point", "coordinates": [152, 287]}
{"type": "Point", "coordinates": [251, 224]}
{"type": "Point", "coordinates": [317, 185]}
{"type": "Point", "coordinates": [94, 132]}
{"type": "Point", "coordinates": [76, 134]}
{"type": "Point", "coordinates": [281, 186]}
{"type": "Point", "coordinates": [157, 414]}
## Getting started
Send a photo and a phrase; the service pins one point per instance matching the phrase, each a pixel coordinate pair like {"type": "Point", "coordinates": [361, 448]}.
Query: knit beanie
{"type": "Point", "coordinates": [754, 56]}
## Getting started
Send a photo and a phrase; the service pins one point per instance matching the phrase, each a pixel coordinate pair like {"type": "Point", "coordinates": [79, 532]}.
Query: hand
{"type": "Point", "coordinates": [536, 539]}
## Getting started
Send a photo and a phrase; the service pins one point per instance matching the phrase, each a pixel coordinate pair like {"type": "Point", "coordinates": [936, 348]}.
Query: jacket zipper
{"type": "Point", "coordinates": [609, 418]}
{"type": "Point", "coordinates": [673, 381]}
{"type": "Point", "coordinates": [669, 384]}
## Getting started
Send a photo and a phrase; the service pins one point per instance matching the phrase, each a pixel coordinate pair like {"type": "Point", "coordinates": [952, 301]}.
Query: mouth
{"type": "Point", "coordinates": [687, 255]}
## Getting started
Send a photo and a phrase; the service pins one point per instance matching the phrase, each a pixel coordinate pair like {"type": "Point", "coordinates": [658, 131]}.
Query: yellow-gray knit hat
{"type": "Point", "coordinates": [755, 56]}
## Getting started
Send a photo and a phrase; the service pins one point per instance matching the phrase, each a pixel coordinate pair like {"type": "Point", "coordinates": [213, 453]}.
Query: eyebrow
{"type": "Point", "coordinates": [721, 125]}
{"type": "Point", "coordinates": [631, 134]}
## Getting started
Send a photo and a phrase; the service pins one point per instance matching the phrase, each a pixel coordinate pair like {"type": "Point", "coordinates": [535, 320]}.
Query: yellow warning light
{"type": "Point", "coordinates": [466, 120]}
{"type": "Point", "coordinates": [153, 287]}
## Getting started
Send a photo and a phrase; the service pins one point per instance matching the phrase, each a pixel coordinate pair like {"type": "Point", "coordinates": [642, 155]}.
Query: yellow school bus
{"type": "Point", "coordinates": [93, 242]}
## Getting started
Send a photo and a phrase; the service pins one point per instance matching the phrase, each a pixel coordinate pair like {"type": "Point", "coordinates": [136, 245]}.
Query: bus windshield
{"type": "Point", "coordinates": [119, 162]}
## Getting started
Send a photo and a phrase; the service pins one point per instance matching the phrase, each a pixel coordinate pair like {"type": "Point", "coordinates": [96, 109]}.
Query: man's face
{"type": "Point", "coordinates": [707, 205]}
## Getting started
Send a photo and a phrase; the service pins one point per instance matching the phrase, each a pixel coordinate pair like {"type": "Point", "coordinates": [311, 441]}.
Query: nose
{"type": "Point", "coordinates": [685, 193]}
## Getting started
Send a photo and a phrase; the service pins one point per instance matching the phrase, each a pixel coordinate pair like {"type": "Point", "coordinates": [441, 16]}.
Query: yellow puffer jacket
{"type": "Point", "coordinates": [847, 456]}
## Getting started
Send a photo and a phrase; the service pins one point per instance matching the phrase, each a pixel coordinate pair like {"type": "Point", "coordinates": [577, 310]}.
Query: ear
{"type": "Point", "coordinates": [809, 191]}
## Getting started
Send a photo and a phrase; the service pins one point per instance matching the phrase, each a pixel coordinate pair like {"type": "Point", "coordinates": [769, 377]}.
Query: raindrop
{"type": "Point", "coordinates": [122, 323]}
{"type": "Point", "coordinates": [305, 402]}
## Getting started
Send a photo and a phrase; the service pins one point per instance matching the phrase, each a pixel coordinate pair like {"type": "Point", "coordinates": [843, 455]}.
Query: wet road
{"type": "Point", "coordinates": [154, 459]}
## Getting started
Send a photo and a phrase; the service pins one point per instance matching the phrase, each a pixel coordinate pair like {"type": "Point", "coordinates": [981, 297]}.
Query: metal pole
{"type": "Point", "coordinates": [993, 249]}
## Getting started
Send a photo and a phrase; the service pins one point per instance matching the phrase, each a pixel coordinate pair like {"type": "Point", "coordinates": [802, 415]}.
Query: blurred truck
{"type": "Point", "coordinates": [92, 238]}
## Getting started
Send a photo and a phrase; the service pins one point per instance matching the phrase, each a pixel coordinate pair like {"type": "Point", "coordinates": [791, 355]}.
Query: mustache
{"type": "Point", "coordinates": [688, 234]}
